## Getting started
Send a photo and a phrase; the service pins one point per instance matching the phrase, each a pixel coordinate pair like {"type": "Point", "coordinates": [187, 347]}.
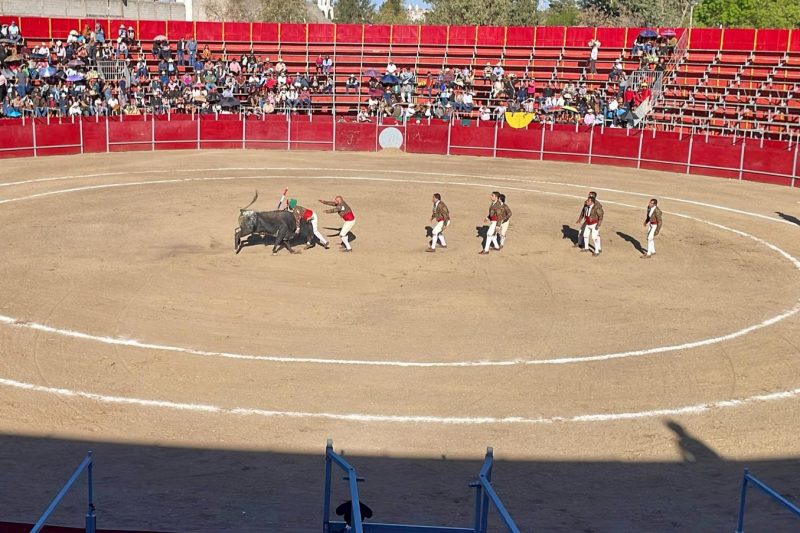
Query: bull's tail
{"type": "Point", "coordinates": [252, 202]}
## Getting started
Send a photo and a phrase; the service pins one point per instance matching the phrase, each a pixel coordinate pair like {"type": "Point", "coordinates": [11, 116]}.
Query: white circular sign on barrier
{"type": "Point", "coordinates": [390, 138]}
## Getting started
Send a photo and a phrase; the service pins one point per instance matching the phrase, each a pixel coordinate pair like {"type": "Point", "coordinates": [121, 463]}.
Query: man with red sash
{"type": "Point", "coordinates": [593, 218]}
{"type": "Point", "coordinates": [301, 213]}
{"type": "Point", "coordinates": [493, 218]}
{"type": "Point", "coordinates": [441, 215]}
{"type": "Point", "coordinates": [348, 218]}
{"type": "Point", "coordinates": [652, 221]}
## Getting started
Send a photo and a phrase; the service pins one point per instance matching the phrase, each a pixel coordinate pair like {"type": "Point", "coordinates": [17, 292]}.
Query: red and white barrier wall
{"type": "Point", "coordinates": [765, 161]}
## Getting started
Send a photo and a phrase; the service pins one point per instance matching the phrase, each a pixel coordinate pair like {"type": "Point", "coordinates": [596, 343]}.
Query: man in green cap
{"type": "Point", "coordinates": [301, 213]}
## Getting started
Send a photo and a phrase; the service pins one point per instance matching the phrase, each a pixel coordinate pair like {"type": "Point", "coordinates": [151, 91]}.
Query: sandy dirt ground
{"type": "Point", "coordinates": [618, 394]}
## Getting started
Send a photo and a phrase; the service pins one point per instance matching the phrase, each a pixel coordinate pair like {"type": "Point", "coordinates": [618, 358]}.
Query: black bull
{"type": "Point", "coordinates": [278, 224]}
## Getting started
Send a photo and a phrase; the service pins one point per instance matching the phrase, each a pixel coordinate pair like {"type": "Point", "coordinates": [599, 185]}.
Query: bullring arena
{"type": "Point", "coordinates": [618, 394]}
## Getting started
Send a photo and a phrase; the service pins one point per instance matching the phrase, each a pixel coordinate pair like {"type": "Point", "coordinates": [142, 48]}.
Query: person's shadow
{"type": "Point", "coordinates": [633, 240]}
{"type": "Point", "coordinates": [692, 450]}
{"type": "Point", "coordinates": [350, 235]}
{"type": "Point", "coordinates": [482, 232]}
{"type": "Point", "coordinates": [570, 233]}
{"type": "Point", "coordinates": [788, 218]}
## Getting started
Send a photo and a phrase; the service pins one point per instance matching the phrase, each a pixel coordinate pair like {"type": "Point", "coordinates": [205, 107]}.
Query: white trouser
{"type": "Point", "coordinates": [437, 235]}
{"type": "Point", "coordinates": [651, 238]}
{"type": "Point", "coordinates": [591, 231]}
{"type": "Point", "coordinates": [491, 236]}
{"type": "Point", "coordinates": [317, 234]}
{"type": "Point", "coordinates": [503, 231]}
{"type": "Point", "coordinates": [346, 227]}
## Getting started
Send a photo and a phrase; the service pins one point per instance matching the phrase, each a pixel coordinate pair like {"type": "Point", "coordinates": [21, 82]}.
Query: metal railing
{"type": "Point", "coordinates": [91, 519]}
{"type": "Point", "coordinates": [485, 496]}
{"type": "Point", "coordinates": [748, 478]}
{"type": "Point", "coordinates": [657, 79]}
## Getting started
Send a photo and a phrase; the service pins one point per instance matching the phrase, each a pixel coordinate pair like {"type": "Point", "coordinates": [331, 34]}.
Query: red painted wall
{"type": "Point", "coordinates": [767, 162]}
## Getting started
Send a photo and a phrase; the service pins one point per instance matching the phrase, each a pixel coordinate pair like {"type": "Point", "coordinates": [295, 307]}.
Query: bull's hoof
{"type": "Point", "coordinates": [274, 253]}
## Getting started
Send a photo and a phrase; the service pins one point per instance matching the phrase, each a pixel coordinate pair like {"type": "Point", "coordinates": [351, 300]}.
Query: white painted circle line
{"type": "Point", "coordinates": [419, 364]}
{"type": "Point", "coordinates": [447, 174]}
{"type": "Point", "coordinates": [405, 419]}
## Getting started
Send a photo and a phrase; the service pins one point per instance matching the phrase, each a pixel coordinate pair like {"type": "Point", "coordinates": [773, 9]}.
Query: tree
{"type": "Point", "coordinates": [484, 12]}
{"type": "Point", "coordinates": [283, 11]}
{"type": "Point", "coordinates": [392, 12]}
{"type": "Point", "coordinates": [523, 13]}
{"type": "Point", "coordinates": [354, 12]}
{"type": "Point", "coordinates": [257, 10]}
{"type": "Point", "coordinates": [749, 13]}
{"type": "Point", "coordinates": [562, 13]}
{"type": "Point", "coordinates": [658, 13]}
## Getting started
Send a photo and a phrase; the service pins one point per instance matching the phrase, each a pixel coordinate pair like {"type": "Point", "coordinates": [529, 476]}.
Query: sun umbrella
{"type": "Point", "coordinates": [229, 102]}
{"type": "Point", "coordinates": [668, 33]}
{"type": "Point", "coordinates": [6, 41]}
{"type": "Point", "coordinates": [372, 73]}
{"type": "Point", "coordinates": [519, 120]}
{"type": "Point", "coordinates": [46, 72]}
{"type": "Point", "coordinates": [569, 108]}
{"type": "Point", "coordinates": [14, 58]}
{"type": "Point", "coordinates": [158, 38]}
{"type": "Point", "coordinates": [648, 33]}
{"type": "Point", "coordinates": [76, 63]}
{"type": "Point", "coordinates": [13, 114]}
{"type": "Point", "coordinates": [75, 77]}
{"type": "Point", "coordinates": [390, 79]}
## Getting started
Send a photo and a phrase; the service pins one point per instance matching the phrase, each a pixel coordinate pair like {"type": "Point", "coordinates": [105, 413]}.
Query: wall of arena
{"type": "Point", "coordinates": [136, 9]}
{"type": "Point", "coordinates": [764, 161]}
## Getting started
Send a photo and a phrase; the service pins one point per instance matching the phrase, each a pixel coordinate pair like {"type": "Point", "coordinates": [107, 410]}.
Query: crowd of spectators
{"type": "Point", "coordinates": [454, 93]}
{"type": "Point", "coordinates": [72, 78]}
{"type": "Point", "coordinates": [90, 75]}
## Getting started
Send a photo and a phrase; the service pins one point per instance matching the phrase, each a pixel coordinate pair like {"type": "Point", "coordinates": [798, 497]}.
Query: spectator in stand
{"type": "Point", "coordinates": [206, 54]}
{"type": "Point", "coordinates": [13, 32]}
{"type": "Point", "coordinates": [487, 72]}
{"type": "Point", "coordinates": [180, 51]}
{"type": "Point", "coordinates": [319, 62]}
{"type": "Point", "coordinates": [191, 50]}
{"type": "Point", "coordinates": [305, 99]}
{"type": "Point", "coordinates": [327, 65]}
{"type": "Point", "coordinates": [363, 115]}
{"type": "Point", "coordinates": [99, 34]}
{"type": "Point", "coordinates": [594, 48]}
{"type": "Point", "coordinates": [498, 71]}
{"type": "Point", "coordinates": [352, 83]}
{"type": "Point", "coordinates": [391, 68]}
{"type": "Point", "coordinates": [122, 50]}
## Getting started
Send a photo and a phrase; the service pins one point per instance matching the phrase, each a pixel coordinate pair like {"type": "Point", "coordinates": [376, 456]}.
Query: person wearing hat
{"type": "Point", "coordinates": [652, 221]}
{"type": "Point", "coordinates": [301, 213]}
{"type": "Point", "coordinates": [348, 218]}
{"type": "Point", "coordinates": [442, 217]}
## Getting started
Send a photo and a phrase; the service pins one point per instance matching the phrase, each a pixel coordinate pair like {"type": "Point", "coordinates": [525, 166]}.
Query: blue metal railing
{"type": "Point", "coordinates": [91, 519]}
{"type": "Point", "coordinates": [748, 478]}
{"type": "Point", "coordinates": [485, 495]}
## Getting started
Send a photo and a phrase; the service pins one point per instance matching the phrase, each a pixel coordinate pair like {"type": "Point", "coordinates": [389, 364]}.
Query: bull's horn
{"type": "Point", "coordinates": [252, 202]}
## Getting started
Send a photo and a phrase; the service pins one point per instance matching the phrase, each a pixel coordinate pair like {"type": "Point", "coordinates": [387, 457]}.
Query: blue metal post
{"type": "Point", "coordinates": [91, 518]}
{"type": "Point", "coordinates": [356, 502]}
{"type": "Point", "coordinates": [742, 497]}
{"type": "Point", "coordinates": [486, 475]}
{"type": "Point", "coordinates": [478, 500]}
{"type": "Point", "coordinates": [326, 505]}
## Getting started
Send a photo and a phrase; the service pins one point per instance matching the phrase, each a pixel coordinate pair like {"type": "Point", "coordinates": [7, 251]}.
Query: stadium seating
{"type": "Point", "coordinates": [731, 81]}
